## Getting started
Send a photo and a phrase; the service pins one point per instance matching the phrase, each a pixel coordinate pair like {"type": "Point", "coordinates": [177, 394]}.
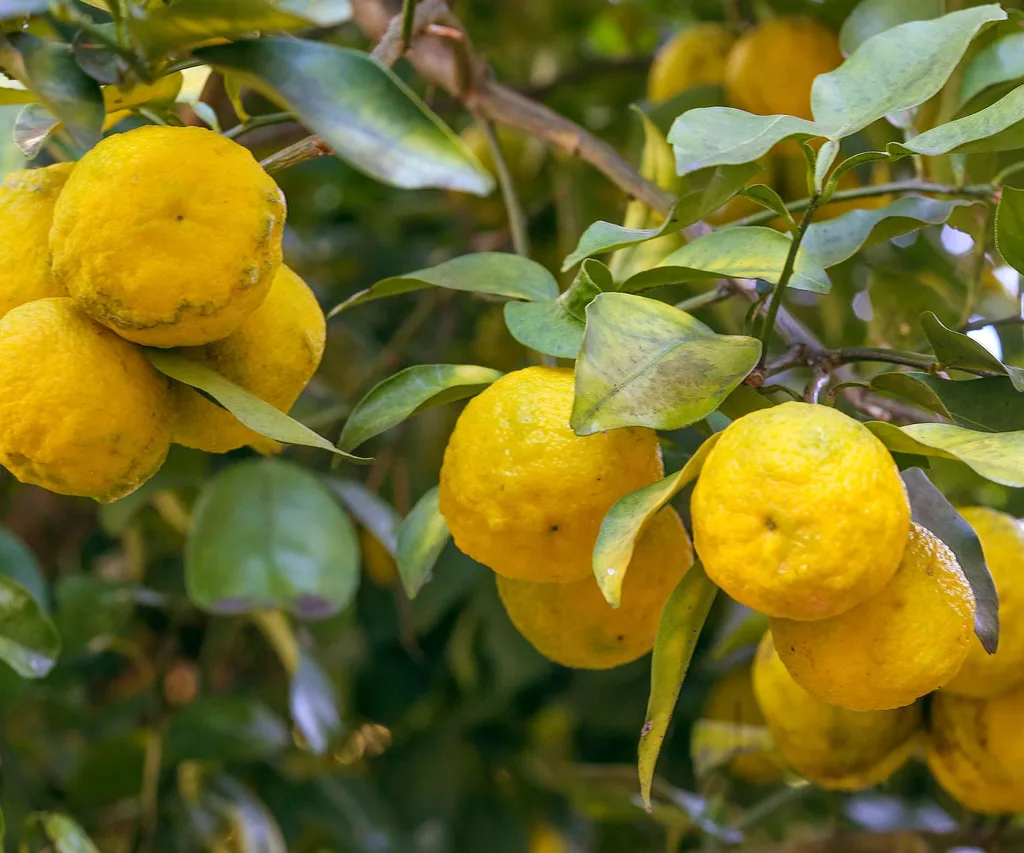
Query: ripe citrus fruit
{"type": "Point", "coordinates": [800, 512]}
{"type": "Point", "coordinates": [572, 624]}
{"type": "Point", "coordinates": [27, 198]}
{"type": "Point", "coordinates": [905, 641]}
{"type": "Point", "coordinates": [81, 410]}
{"type": "Point", "coordinates": [694, 57]}
{"type": "Point", "coordinates": [170, 236]}
{"type": "Point", "coordinates": [835, 748]}
{"type": "Point", "coordinates": [1002, 540]}
{"type": "Point", "coordinates": [274, 355]}
{"type": "Point", "coordinates": [525, 495]}
{"type": "Point", "coordinates": [732, 701]}
{"type": "Point", "coordinates": [771, 68]}
{"type": "Point", "coordinates": [976, 750]}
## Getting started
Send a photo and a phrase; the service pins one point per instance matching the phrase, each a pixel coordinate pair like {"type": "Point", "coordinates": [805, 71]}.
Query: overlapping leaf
{"type": "Point", "coordinates": [421, 539]}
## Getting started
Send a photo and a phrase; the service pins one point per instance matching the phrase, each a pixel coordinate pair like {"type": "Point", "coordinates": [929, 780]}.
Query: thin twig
{"type": "Point", "coordinates": [725, 290]}
{"type": "Point", "coordinates": [408, 19]}
{"type": "Point", "coordinates": [397, 37]}
{"type": "Point", "coordinates": [516, 217]}
{"type": "Point", "coordinates": [305, 149]}
{"type": "Point", "coordinates": [257, 122]}
{"type": "Point", "coordinates": [981, 323]}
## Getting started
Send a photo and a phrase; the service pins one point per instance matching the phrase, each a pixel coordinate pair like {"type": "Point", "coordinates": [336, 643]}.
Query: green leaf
{"type": "Point", "coordinates": [266, 535]}
{"type": "Point", "coordinates": [710, 189]}
{"type": "Point", "coordinates": [745, 252]}
{"type": "Point", "coordinates": [872, 17]}
{"type": "Point", "coordinates": [645, 363]}
{"type": "Point", "coordinates": [954, 349]}
{"type": "Point", "coordinates": [361, 108]}
{"type": "Point", "coordinates": [412, 390]}
{"type": "Point", "coordinates": [18, 563]}
{"type": "Point", "coordinates": [629, 516]}
{"type": "Point", "coordinates": [989, 403]}
{"type": "Point", "coordinates": [932, 511]}
{"type": "Point", "coordinates": [421, 539]}
{"type": "Point", "coordinates": [556, 326]}
{"type": "Point", "coordinates": [14, 92]}
{"type": "Point", "coordinates": [63, 832]}
{"type": "Point", "coordinates": [719, 136]}
{"type": "Point", "coordinates": [604, 237]}
{"type": "Point", "coordinates": [998, 62]}
{"type": "Point", "coordinates": [50, 71]}
{"type": "Point", "coordinates": [681, 622]}
{"type": "Point", "coordinates": [835, 240]}
{"type": "Point", "coordinates": [313, 705]}
{"type": "Point", "coordinates": [999, 127]}
{"type": "Point", "coordinates": [225, 728]}
{"type": "Point", "coordinates": [34, 126]}
{"type": "Point", "coordinates": [769, 199]}
{"type": "Point", "coordinates": [369, 509]}
{"type": "Point", "coordinates": [1010, 227]}
{"type": "Point", "coordinates": [715, 743]}
{"type": "Point", "coordinates": [29, 642]}
{"type": "Point", "coordinates": [492, 273]}
{"type": "Point", "coordinates": [255, 413]}
{"type": "Point", "coordinates": [896, 70]}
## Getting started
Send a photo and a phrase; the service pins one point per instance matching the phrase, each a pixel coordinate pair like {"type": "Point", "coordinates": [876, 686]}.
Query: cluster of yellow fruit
{"type": "Point", "coordinates": [162, 237]}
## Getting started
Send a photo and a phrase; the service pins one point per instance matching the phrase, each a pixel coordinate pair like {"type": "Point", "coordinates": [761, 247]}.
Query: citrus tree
{"type": "Point", "coordinates": [722, 552]}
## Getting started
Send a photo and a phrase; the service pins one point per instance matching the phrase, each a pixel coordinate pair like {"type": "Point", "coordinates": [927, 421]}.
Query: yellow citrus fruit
{"type": "Point", "coordinates": [523, 154]}
{"type": "Point", "coordinates": [545, 838]}
{"type": "Point", "coordinates": [27, 198]}
{"type": "Point", "coordinates": [976, 750]}
{"type": "Point", "coordinates": [170, 236]}
{"type": "Point", "coordinates": [572, 624]}
{"type": "Point", "coordinates": [834, 747]}
{"type": "Point", "coordinates": [1002, 540]}
{"type": "Point", "coordinates": [732, 700]}
{"type": "Point", "coordinates": [377, 561]}
{"type": "Point", "coordinates": [273, 355]}
{"type": "Point", "coordinates": [800, 512]}
{"type": "Point", "coordinates": [525, 495]}
{"type": "Point", "coordinates": [771, 68]}
{"type": "Point", "coordinates": [905, 641]}
{"type": "Point", "coordinates": [81, 410]}
{"type": "Point", "coordinates": [694, 57]}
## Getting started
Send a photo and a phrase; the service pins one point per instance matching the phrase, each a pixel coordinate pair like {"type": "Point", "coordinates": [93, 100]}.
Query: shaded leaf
{"type": "Point", "coordinates": [718, 136]}
{"type": "Point", "coordinates": [896, 70]}
{"type": "Point", "coordinates": [711, 188]}
{"type": "Point", "coordinates": [629, 516]}
{"type": "Point", "coordinates": [872, 17]}
{"type": "Point", "coordinates": [50, 71]}
{"type": "Point", "coordinates": [369, 509]}
{"type": "Point", "coordinates": [313, 705]}
{"type": "Point", "coordinates": [746, 252]}
{"type": "Point", "coordinates": [361, 108]}
{"type": "Point", "coordinates": [225, 728]}
{"type": "Point", "coordinates": [493, 273]}
{"type": "Point", "coordinates": [998, 62]}
{"type": "Point", "coordinates": [421, 539]}
{"type": "Point", "coordinates": [715, 743]}
{"type": "Point", "coordinates": [645, 363]}
{"type": "Point", "coordinates": [681, 622]}
{"type": "Point", "coordinates": [29, 642]}
{"type": "Point", "coordinates": [1010, 227]}
{"type": "Point", "coordinates": [833, 241]}
{"type": "Point", "coordinates": [18, 563]}
{"type": "Point", "coordinates": [988, 403]}
{"type": "Point", "coordinates": [769, 199]}
{"type": "Point", "coordinates": [250, 825]}
{"type": "Point", "coordinates": [63, 832]}
{"type": "Point", "coordinates": [932, 511]}
{"type": "Point", "coordinates": [33, 128]}
{"type": "Point", "coordinates": [266, 535]}
{"type": "Point", "coordinates": [412, 390]}
{"type": "Point", "coordinates": [742, 630]}
{"type": "Point", "coordinates": [255, 413]}
{"type": "Point", "coordinates": [954, 349]}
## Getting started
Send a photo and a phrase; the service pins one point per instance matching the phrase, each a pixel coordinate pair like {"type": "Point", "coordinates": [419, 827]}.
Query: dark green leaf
{"type": "Point", "coordinates": [313, 705]}
{"type": "Point", "coordinates": [49, 69]}
{"type": "Point", "coordinates": [255, 413]}
{"type": "Point", "coordinates": [932, 511]}
{"type": "Point", "coordinates": [1010, 227]}
{"type": "Point", "coordinates": [225, 728]}
{"type": "Point", "coordinates": [999, 62]}
{"type": "Point", "coordinates": [369, 509]}
{"type": "Point", "coordinates": [710, 189]}
{"type": "Point", "coordinates": [360, 108]}
{"type": "Point", "coordinates": [266, 535]}
{"type": "Point", "coordinates": [720, 136]}
{"type": "Point", "coordinates": [989, 403]}
{"type": "Point", "coordinates": [628, 517]}
{"type": "Point", "coordinates": [954, 349]}
{"type": "Point", "coordinates": [681, 622]}
{"type": "Point", "coordinates": [421, 539]}
{"type": "Point", "coordinates": [747, 252]}
{"type": "Point", "coordinates": [645, 363]}
{"type": "Point", "coordinates": [409, 391]}
{"type": "Point", "coordinates": [493, 273]}
{"type": "Point", "coordinates": [833, 241]}
{"type": "Point", "coordinates": [19, 563]}
{"type": "Point", "coordinates": [872, 17]}
{"type": "Point", "coordinates": [29, 642]}
{"type": "Point", "coordinates": [896, 70]}
{"type": "Point", "coordinates": [89, 607]}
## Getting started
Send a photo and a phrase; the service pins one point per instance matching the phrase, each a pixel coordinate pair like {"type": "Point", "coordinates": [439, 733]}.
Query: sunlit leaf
{"type": "Point", "coordinates": [871, 17]}
{"type": "Point", "coordinates": [360, 107]}
{"type": "Point", "coordinates": [769, 199]}
{"type": "Point", "coordinates": [998, 62]}
{"type": "Point", "coordinates": [409, 391]}
{"type": "Point", "coordinates": [1010, 227]}
{"type": "Point", "coordinates": [604, 237]}
{"type": "Point", "coordinates": [629, 516]}
{"type": "Point", "coordinates": [29, 642]}
{"type": "Point", "coordinates": [421, 539]}
{"type": "Point", "coordinates": [681, 622]}
{"type": "Point", "coordinates": [645, 363]}
{"type": "Point", "coordinates": [493, 273]}
{"type": "Point", "coordinates": [266, 535]}
{"type": "Point", "coordinates": [64, 834]}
